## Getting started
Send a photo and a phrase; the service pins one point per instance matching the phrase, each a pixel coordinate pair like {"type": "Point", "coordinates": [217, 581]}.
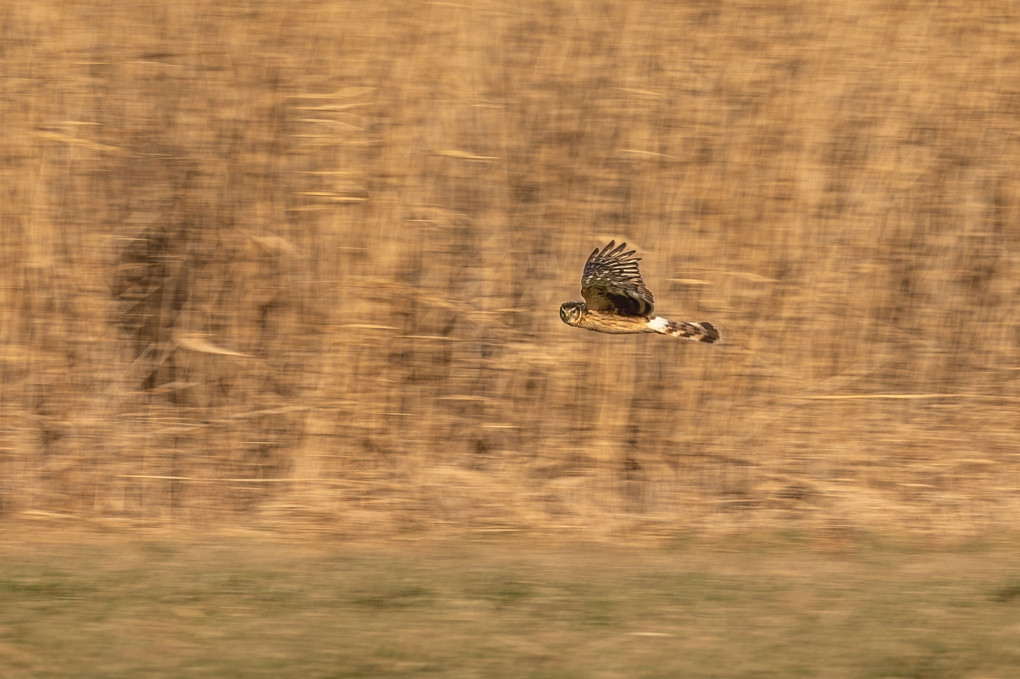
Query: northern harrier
{"type": "Point", "coordinates": [617, 301]}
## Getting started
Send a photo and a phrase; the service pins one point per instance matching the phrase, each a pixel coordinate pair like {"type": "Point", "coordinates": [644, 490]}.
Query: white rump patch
{"type": "Point", "coordinates": [658, 324]}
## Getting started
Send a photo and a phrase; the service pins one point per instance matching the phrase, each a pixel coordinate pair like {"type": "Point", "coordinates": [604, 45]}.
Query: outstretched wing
{"type": "Point", "coordinates": [612, 283]}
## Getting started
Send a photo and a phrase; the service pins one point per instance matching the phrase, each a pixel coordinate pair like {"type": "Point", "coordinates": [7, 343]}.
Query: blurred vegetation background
{"type": "Point", "coordinates": [297, 265]}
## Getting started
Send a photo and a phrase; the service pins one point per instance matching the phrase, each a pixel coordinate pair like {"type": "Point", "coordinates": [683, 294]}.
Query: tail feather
{"type": "Point", "coordinates": [702, 331]}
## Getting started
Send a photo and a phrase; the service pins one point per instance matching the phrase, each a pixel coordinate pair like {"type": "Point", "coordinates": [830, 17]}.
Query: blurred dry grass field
{"type": "Point", "coordinates": [298, 265]}
{"type": "Point", "coordinates": [504, 607]}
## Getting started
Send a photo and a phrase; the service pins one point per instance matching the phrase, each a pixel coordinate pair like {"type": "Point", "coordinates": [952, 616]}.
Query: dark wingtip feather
{"type": "Point", "coordinates": [607, 250]}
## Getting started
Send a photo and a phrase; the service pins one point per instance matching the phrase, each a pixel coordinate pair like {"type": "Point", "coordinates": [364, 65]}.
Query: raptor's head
{"type": "Point", "coordinates": [570, 312]}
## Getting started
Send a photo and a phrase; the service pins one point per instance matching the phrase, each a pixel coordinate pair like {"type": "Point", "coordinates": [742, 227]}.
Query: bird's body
{"type": "Point", "coordinates": [618, 302]}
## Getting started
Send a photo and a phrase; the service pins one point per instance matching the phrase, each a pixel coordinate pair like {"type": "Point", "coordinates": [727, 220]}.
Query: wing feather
{"type": "Point", "coordinates": [611, 282]}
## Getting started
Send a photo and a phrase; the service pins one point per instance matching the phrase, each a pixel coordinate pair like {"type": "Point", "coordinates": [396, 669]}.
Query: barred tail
{"type": "Point", "coordinates": [698, 332]}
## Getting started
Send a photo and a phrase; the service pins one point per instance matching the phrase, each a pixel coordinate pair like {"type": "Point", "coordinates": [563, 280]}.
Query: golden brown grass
{"type": "Point", "coordinates": [297, 265]}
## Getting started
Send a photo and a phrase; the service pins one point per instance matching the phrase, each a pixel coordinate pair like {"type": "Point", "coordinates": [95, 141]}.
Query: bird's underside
{"type": "Point", "coordinates": [618, 302]}
{"type": "Point", "coordinates": [615, 324]}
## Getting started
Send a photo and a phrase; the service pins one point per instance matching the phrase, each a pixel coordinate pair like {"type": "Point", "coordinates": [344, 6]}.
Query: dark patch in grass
{"type": "Point", "coordinates": [1007, 593]}
{"type": "Point", "coordinates": [397, 598]}
{"type": "Point", "coordinates": [47, 589]}
{"type": "Point", "coordinates": [511, 592]}
{"type": "Point", "coordinates": [927, 666]}
{"type": "Point", "coordinates": [599, 613]}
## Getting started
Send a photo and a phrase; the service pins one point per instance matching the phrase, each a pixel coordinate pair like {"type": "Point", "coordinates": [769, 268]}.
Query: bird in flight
{"type": "Point", "coordinates": [616, 300]}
